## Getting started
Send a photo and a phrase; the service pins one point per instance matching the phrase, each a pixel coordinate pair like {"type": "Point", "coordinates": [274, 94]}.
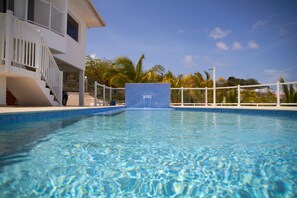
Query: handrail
{"type": "Point", "coordinates": [31, 52]}
{"type": "Point", "coordinates": [278, 93]}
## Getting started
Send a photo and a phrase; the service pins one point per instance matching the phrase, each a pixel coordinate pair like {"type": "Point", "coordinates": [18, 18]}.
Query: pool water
{"type": "Point", "coordinates": [151, 154]}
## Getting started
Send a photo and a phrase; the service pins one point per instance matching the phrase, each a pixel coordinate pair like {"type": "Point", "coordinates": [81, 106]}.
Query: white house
{"type": "Point", "coordinates": [39, 40]}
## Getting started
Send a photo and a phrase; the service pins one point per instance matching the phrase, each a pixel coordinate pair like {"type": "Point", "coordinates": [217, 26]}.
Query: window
{"type": "Point", "coordinates": [56, 20]}
{"type": "Point", "coordinates": [19, 10]}
{"type": "Point", "coordinates": [41, 15]}
{"type": "Point", "coordinates": [6, 5]}
{"type": "Point", "coordinates": [30, 10]}
{"type": "Point", "coordinates": [72, 28]}
{"type": "Point", "coordinates": [2, 5]}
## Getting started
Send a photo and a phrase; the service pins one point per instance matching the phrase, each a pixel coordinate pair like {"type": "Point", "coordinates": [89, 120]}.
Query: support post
{"type": "Point", "coordinates": [238, 95]}
{"type": "Point", "coordinates": [81, 87]}
{"type": "Point", "coordinates": [206, 102]}
{"type": "Point", "coordinates": [3, 91]}
{"type": "Point", "coordinates": [95, 93]}
{"type": "Point", "coordinates": [61, 89]}
{"type": "Point", "coordinates": [182, 96]}
{"type": "Point", "coordinates": [103, 95]}
{"type": "Point", "coordinates": [110, 94]}
{"type": "Point", "coordinates": [8, 40]}
{"type": "Point", "coordinates": [278, 94]}
{"type": "Point", "coordinates": [214, 85]}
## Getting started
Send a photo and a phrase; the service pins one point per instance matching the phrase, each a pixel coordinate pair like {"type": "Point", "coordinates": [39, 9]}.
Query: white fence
{"type": "Point", "coordinates": [104, 95]}
{"type": "Point", "coordinates": [272, 94]}
{"type": "Point", "coordinates": [23, 46]}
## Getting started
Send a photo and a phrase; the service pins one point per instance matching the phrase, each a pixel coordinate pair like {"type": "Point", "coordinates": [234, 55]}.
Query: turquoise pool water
{"type": "Point", "coordinates": [151, 154]}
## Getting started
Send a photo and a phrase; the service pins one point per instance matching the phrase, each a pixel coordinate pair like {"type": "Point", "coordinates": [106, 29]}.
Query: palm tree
{"type": "Point", "coordinates": [124, 71]}
{"type": "Point", "coordinates": [290, 92]}
{"type": "Point", "coordinates": [175, 82]}
{"type": "Point", "coordinates": [197, 80]}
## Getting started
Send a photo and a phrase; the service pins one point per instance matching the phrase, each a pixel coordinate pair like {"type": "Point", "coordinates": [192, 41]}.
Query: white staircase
{"type": "Point", "coordinates": [33, 76]}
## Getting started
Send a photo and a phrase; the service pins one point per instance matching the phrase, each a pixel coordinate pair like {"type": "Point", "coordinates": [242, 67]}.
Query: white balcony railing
{"type": "Point", "coordinates": [273, 94]}
{"type": "Point", "coordinates": [22, 45]}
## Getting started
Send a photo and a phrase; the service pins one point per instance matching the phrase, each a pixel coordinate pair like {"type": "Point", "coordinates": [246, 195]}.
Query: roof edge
{"type": "Point", "coordinates": [96, 13]}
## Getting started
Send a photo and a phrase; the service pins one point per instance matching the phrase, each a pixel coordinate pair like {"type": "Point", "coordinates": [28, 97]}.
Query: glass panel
{"type": "Point", "coordinates": [56, 20]}
{"type": "Point", "coordinates": [72, 28]}
{"type": "Point", "coordinates": [2, 5]}
{"type": "Point", "coordinates": [41, 13]}
{"type": "Point", "coordinates": [20, 8]}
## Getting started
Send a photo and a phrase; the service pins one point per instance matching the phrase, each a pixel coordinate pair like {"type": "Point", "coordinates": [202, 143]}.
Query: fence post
{"type": "Point", "coordinates": [278, 94]}
{"type": "Point", "coordinates": [95, 93]}
{"type": "Point", "coordinates": [61, 89]}
{"type": "Point", "coordinates": [182, 96]}
{"type": "Point", "coordinates": [206, 102]}
{"type": "Point", "coordinates": [110, 93]}
{"type": "Point", "coordinates": [103, 95]}
{"type": "Point", "coordinates": [238, 95]}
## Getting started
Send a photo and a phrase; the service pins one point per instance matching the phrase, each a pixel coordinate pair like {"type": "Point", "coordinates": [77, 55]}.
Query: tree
{"type": "Point", "coordinates": [197, 80]}
{"type": "Point", "coordinates": [175, 82]}
{"type": "Point", "coordinates": [124, 71]}
{"type": "Point", "coordinates": [289, 91]}
{"type": "Point", "coordinates": [95, 70]}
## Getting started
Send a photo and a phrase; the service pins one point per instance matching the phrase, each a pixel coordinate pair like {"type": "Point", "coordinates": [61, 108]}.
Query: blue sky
{"type": "Point", "coordinates": [242, 38]}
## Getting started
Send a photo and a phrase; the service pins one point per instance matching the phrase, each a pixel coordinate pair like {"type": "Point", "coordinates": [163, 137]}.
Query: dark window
{"type": "Point", "coordinates": [72, 28]}
{"type": "Point", "coordinates": [31, 10]}
{"type": "Point", "coordinates": [2, 5]}
{"type": "Point", "coordinates": [6, 5]}
{"type": "Point", "coordinates": [10, 5]}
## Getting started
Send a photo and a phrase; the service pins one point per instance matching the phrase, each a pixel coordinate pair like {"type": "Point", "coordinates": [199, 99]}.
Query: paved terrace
{"type": "Point", "coordinates": [5, 110]}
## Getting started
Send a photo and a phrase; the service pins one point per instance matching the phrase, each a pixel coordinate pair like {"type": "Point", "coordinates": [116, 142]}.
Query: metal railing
{"type": "Point", "coordinates": [272, 94]}
{"type": "Point", "coordinates": [23, 46]}
{"type": "Point", "coordinates": [114, 94]}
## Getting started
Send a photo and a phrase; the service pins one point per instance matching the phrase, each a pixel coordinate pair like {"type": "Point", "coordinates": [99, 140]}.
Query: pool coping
{"type": "Point", "coordinates": [268, 108]}
{"type": "Point", "coordinates": [15, 110]}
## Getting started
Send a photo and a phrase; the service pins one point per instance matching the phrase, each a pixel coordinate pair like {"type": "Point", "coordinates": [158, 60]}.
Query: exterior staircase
{"type": "Point", "coordinates": [33, 76]}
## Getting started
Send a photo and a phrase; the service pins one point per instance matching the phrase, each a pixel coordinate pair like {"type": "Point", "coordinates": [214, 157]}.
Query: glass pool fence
{"type": "Point", "coordinates": [273, 94]}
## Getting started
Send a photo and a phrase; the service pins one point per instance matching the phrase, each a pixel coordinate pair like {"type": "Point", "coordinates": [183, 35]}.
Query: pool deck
{"type": "Point", "coordinates": [6, 110]}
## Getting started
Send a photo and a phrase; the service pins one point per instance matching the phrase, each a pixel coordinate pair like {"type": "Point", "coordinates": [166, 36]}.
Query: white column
{"type": "Point", "coordinates": [9, 40]}
{"type": "Point", "coordinates": [61, 88]}
{"type": "Point", "coordinates": [206, 102]}
{"type": "Point", "coordinates": [182, 96]}
{"type": "Point", "coordinates": [81, 87]}
{"type": "Point", "coordinates": [214, 85]}
{"type": "Point", "coordinates": [278, 94]}
{"type": "Point", "coordinates": [238, 95]}
{"type": "Point", "coordinates": [3, 91]}
{"type": "Point", "coordinates": [95, 93]}
{"type": "Point", "coordinates": [103, 95]}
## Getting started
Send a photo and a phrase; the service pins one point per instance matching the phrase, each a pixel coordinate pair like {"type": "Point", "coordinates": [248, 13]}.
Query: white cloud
{"type": "Point", "coordinates": [93, 56]}
{"type": "Point", "coordinates": [236, 46]}
{"type": "Point", "coordinates": [189, 61]}
{"type": "Point", "coordinates": [253, 45]}
{"type": "Point", "coordinates": [273, 75]}
{"type": "Point", "coordinates": [218, 33]}
{"type": "Point", "coordinates": [259, 23]}
{"type": "Point", "coordinates": [222, 46]}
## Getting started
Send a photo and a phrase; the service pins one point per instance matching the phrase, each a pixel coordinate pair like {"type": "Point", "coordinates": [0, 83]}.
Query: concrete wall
{"type": "Point", "coordinates": [147, 95]}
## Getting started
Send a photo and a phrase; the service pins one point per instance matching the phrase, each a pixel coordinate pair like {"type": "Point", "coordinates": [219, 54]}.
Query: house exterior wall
{"type": "Point", "coordinates": [61, 44]}
{"type": "Point", "coordinates": [75, 51]}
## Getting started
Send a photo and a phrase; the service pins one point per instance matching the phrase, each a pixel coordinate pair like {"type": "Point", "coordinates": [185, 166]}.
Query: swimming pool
{"type": "Point", "coordinates": [152, 154]}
